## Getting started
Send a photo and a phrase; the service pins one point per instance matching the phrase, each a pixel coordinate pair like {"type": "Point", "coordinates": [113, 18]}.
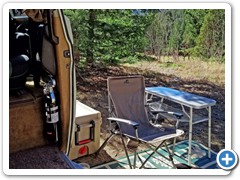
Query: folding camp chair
{"type": "Point", "coordinates": [127, 106]}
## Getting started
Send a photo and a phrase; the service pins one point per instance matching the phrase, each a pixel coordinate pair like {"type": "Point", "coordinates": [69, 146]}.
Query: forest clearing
{"type": "Point", "coordinates": [179, 49]}
{"type": "Point", "coordinates": [92, 90]}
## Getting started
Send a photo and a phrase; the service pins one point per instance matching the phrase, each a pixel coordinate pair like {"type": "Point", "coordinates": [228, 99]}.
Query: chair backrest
{"type": "Point", "coordinates": [128, 97]}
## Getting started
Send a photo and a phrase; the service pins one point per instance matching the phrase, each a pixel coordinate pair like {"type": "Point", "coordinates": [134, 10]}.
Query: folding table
{"type": "Point", "coordinates": [189, 100]}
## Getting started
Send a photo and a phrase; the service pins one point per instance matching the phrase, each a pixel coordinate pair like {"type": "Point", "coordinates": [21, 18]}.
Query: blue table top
{"type": "Point", "coordinates": [185, 98]}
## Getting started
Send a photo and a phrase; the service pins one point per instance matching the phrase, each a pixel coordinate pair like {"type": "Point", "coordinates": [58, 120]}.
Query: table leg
{"type": "Point", "coordinates": [209, 130]}
{"type": "Point", "coordinates": [190, 137]}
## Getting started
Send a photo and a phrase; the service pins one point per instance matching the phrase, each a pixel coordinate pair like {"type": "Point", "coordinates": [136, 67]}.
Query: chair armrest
{"type": "Point", "coordinates": [133, 123]}
{"type": "Point", "coordinates": [178, 115]}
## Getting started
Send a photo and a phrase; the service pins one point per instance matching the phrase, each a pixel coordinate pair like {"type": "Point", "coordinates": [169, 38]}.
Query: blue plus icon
{"type": "Point", "coordinates": [227, 159]}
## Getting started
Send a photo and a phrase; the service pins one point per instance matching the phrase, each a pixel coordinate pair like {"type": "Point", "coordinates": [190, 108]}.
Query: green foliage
{"type": "Point", "coordinates": [175, 37]}
{"type": "Point", "coordinates": [211, 40]}
{"type": "Point", "coordinates": [192, 32]}
{"type": "Point", "coordinates": [79, 27]}
{"type": "Point", "coordinates": [193, 22]}
{"type": "Point", "coordinates": [113, 36]}
{"type": "Point", "coordinates": [109, 35]}
{"type": "Point", "coordinates": [132, 59]}
{"type": "Point", "coordinates": [157, 33]}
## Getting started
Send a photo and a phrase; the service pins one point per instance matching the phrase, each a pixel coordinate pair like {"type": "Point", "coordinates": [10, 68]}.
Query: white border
{"type": "Point", "coordinates": [126, 5]}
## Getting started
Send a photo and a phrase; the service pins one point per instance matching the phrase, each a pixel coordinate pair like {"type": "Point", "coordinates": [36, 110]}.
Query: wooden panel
{"type": "Point", "coordinates": [26, 125]}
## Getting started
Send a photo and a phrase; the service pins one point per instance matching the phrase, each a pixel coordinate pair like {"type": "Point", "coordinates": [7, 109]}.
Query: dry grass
{"type": "Point", "coordinates": [193, 69]}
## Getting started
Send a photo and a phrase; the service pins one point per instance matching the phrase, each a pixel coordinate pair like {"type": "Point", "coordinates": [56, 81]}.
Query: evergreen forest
{"type": "Point", "coordinates": [113, 36]}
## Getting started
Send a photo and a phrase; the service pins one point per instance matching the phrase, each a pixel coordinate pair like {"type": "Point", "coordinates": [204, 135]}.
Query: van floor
{"type": "Point", "coordinates": [45, 157]}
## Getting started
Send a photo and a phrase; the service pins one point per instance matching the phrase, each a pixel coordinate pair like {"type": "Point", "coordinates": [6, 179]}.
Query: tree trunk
{"type": "Point", "coordinates": [90, 47]}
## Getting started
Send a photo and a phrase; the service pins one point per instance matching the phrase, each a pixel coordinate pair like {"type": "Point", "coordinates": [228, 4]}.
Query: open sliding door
{"type": "Point", "coordinates": [62, 34]}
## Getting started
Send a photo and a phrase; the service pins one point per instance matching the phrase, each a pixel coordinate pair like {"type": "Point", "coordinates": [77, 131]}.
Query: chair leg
{"type": "Point", "coordinates": [105, 142]}
{"type": "Point", "coordinates": [174, 144]}
{"type": "Point", "coordinates": [135, 159]}
{"type": "Point", "coordinates": [154, 151]}
{"type": "Point", "coordinates": [175, 139]}
{"type": "Point", "coordinates": [170, 154]}
{"type": "Point", "coordinates": [125, 149]}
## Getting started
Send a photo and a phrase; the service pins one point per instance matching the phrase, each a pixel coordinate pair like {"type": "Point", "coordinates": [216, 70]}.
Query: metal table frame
{"type": "Point", "coordinates": [189, 100]}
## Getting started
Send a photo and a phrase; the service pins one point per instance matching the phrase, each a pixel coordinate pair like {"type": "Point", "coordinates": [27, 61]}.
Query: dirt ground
{"type": "Point", "coordinates": [92, 90]}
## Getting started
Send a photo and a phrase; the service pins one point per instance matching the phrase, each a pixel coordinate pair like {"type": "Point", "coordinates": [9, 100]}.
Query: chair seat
{"type": "Point", "coordinates": [153, 133]}
{"type": "Point", "coordinates": [163, 134]}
